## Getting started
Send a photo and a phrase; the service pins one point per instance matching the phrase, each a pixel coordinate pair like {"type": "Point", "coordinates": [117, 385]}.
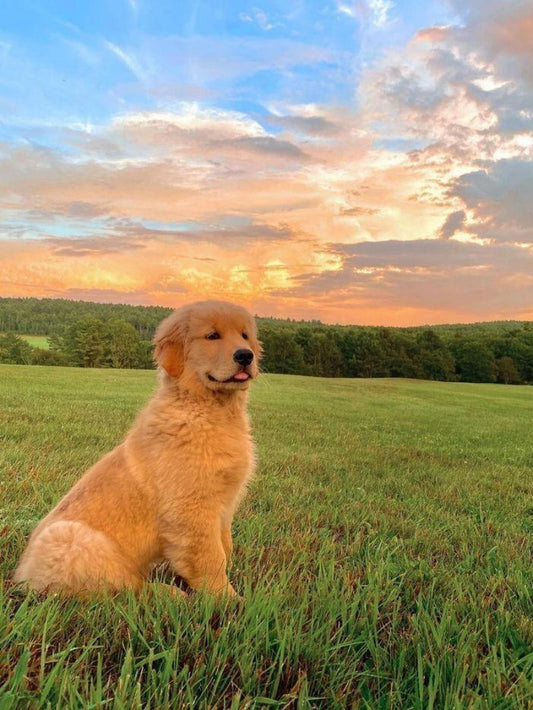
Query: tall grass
{"type": "Point", "coordinates": [383, 553]}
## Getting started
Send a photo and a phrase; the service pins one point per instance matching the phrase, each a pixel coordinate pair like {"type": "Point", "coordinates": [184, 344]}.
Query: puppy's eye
{"type": "Point", "coordinates": [245, 335]}
{"type": "Point", "coordinates": [213, 336]}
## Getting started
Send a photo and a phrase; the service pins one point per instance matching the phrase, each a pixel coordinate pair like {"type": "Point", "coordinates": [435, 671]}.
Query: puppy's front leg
{"type": "Point", "coordinates": [227, 542]}
{"type": "Point", "coordinates": [201, 560]}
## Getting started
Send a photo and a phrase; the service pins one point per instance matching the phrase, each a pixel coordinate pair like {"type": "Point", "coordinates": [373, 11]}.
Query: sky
{"type": "Point", "coordinates": [352, 161]}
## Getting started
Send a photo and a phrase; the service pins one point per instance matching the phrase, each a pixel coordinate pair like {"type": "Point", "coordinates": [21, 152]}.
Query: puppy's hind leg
{"type": "Point", "coordinates": [71, 557]}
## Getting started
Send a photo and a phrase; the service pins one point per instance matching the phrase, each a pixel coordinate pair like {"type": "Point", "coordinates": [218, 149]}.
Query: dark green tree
{"type": "Point", "coordinates": [474, 360]}
{"type": "Point", "coordinates": [507, 371]}
{"type": "Point", "coordinates": [15, 350]}
{"type": "Point", "coordinates": [519, 347]}
{"type": "Point", "coordinates": [322, 355]}
{"type": "Point", "coordinates": [434, 358]}
{"type": "Point", "coordinates": [49, 357]}
{"type": "Point", "coordinates": [281, 352]}
{"type": "Point", "coordinates": [368, 357]}
{"type": "Point", "coordinates": [123, 345]}
{"type": "Point", "coordinates": [84, 343]}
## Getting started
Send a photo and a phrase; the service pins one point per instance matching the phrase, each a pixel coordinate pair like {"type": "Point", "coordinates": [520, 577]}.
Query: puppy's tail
{"type": "Point", "coordinates": [70, 558]}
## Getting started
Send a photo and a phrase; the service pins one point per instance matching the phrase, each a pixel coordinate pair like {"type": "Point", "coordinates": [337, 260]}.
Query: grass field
{"type": "Point", "coordinates": [37, 341]}
{"type": "Point", "coordinates": [384, 553]}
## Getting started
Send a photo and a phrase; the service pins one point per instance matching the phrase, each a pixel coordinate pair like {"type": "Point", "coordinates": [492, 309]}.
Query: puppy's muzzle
{"type": "Point", "coordinates": [243, 356]}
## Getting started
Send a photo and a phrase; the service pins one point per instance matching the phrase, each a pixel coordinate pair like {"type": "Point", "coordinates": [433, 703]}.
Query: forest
{"type": "Point", "coordinates": [86, 334]}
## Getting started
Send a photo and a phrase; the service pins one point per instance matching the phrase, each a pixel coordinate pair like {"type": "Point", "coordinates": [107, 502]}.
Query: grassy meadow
{"type": "Point", "coordinates": [383, 552]}
{"type": "Point", "coordinates": [37, 341]}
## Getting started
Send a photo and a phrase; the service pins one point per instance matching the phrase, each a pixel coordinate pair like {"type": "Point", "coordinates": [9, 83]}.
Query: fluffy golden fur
{"type": "Point", "coordinates": [170, 489]}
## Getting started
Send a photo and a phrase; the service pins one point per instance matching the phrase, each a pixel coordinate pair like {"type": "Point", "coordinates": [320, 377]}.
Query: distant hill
{"type": "Point", "coordinates": [51, 316]}
{"type": "Point", "coordinates": [86, 334]}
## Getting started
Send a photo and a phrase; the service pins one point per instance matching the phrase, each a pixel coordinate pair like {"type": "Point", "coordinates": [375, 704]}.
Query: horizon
{"type": "Point", "coordinates": [286, 318]}
{"type": "Point", "coordinates": [356, 162]}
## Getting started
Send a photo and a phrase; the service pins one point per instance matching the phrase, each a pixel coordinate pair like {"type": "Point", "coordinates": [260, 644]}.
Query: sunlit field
{"type": "Point", "coordinates": [37, 341]}
{"type": "Point", "coordinates": [383, 552]}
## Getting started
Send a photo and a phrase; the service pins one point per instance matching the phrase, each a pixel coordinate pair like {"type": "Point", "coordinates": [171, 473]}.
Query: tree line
{"type": "Point", "coordinates": [87, 343]}
{"type": "Point", "coordinates": [87, 334]}
{"type": "Point", "coordinates": [466, 354]}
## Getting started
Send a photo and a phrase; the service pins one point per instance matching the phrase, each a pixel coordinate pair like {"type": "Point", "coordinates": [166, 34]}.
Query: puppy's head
{"type": "Point", "coordinates": [212, 343]}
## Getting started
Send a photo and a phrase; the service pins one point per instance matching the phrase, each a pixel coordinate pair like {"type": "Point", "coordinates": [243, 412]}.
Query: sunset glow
{"type": "Point", "coordinates": [353, 162]}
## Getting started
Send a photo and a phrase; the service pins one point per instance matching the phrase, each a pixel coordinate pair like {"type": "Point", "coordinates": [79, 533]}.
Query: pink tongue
{"type": "Point", "coordinates": [241, 376]}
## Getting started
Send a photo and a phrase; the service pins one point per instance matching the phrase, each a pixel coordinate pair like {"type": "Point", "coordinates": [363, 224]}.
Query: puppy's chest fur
{"type": "Point", "coordinates": [209, 455]}
{"type": "Point", "coordinates": [217, 457]}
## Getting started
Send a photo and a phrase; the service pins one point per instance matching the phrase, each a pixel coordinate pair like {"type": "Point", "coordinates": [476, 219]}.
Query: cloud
{"type": "Point", "coordinates": [500, 33]}
{"type": "Point", "coordinates": [74, 210]}
{"type": "Point", "coordinates": [91, 246]}
{"type": "Point", "coordinates": [458, 83]}
{"type": "Point", "coordinates": [500, 200]}
{"type": "Point", "coordinates": [267, 145]}
{"type": "Point", "coordinates": [259, 17]}
{"type": "Point", "coordinates": [171, 165]}
{"type": "Point", "coordinates": [453, 223]}
{"type": "Point", "coordinates": [187, 118]}
{"type": "Point", "coordinates": [298, 125]}
{"type": "Point", "coordinates": [440, 281]}
{"type": "Point", "coordinates": [374, 11]}
{"type": "Point", "coordinates": [430, 254]}
{"type": "Point", "coordinates": [380, 11]}
{"type": "Point", "coordinates": [435, 34]}
{"type": "Point", "coordinates": [128, 59]}
{"type": "Point", "coordinates": [463, 92]}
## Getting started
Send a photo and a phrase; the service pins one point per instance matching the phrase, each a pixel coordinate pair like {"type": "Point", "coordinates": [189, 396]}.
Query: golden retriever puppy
{"type": "Point", "coordinates": [170, 489]}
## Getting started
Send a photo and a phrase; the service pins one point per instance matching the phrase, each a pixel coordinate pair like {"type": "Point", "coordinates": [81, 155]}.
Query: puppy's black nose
{"type": "Point", "coordinates": [243, 356]}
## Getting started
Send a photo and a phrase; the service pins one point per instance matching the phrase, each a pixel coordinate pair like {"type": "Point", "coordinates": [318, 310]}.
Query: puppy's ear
{"type": "Point", "coordinates": [170, 340]}
{"type": "Point", "coordinates": [171, 358]}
